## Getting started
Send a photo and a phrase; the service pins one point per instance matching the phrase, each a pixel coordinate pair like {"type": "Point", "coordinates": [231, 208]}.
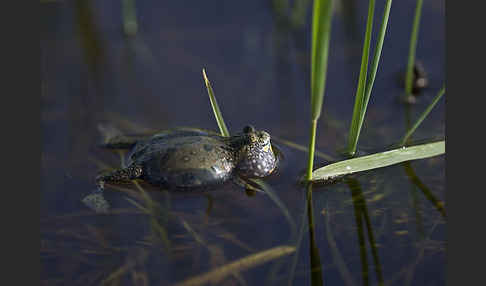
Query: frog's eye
{"type": "Point", "coordinates": [248, 129]}
{"type": "Point", "coordinates": [263, 138]}
{"type": "Point", "coordinates": [253, 137]}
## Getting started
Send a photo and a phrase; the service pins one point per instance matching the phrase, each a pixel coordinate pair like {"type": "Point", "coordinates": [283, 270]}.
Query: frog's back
{"type": "Point", "coordinates": [184, 159]}
{"type": "Point", "coordinates": [145, 148]}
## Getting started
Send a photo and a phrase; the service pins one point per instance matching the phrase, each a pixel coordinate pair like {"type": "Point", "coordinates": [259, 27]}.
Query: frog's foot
{"type": "Point", "coordinates": [119, 176]}
{"type": "Point", "coordinates": [249, 188]}
{"type": "Point", "coordinates": [96, 201]}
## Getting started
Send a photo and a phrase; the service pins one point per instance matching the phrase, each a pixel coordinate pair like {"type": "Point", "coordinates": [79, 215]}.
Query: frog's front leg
{"type": "Point", "coordinates": [96, 200]}
{"type": "Point", "coordinates": [250, 189]}
{"type": "Point", "coordinates": [119, 176]}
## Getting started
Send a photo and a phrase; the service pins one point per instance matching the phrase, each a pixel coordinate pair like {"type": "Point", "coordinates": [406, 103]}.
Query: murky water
{"type": "Point", "coordinates": [385, 226]}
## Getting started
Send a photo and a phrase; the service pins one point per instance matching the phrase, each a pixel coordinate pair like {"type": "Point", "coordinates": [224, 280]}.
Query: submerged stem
{"type": "Point", "coordinates": [315, 260]}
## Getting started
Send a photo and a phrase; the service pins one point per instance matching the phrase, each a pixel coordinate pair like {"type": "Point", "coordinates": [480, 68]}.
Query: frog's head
{"type": "Point", "coordinates": [256, 157]}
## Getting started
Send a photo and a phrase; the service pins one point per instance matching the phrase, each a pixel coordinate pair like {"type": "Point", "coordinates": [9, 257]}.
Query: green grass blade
{"type": "Point", "coordinates": [224, 131]}
{"type": "Point", "coordinates": [214, 104]}
{"type": "Point", "coordinates": [312, 147]}
{"type": "Point", "coordinates": [360, 91]}
{"type": "Point", "coordinates": [321, 33]}
{"type": "Point", "coordinates": [422, 116]}
{"type": "Point", "coordinates": [374, 64]}
{"type": "Point", "coordinates": [413, 47]}
{"type": "Point", "coordinates": [378, 160]}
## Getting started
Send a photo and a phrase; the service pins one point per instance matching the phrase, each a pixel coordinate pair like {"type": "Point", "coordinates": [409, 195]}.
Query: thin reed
{"type": "Point", "coordinates": [422, 116]}
{"type": "Point", "coordinates": [365, 85]}
{"type": "Point", "coordinates": [214, 104]}
{"type": "Point", "coordinates": [374, 65]}
{"type": "Point", "coordinates": [360, 91]}
{"type": "Point", "coordinates": [413, 47]}
{"type": "Point", "coordinates": [321, 33]}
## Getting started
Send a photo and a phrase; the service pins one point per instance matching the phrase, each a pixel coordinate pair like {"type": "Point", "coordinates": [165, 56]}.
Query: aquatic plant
{"type": "Point", "coordinates": [363, 92]}
{"type": "Point", "coordinates": [386, 158]}
{"type": "Point", "coordinates": [422, 116]}
{"type": "Point", "coordinates": [214, 104]}
{"type": "Point", "coordinates": [360, 91]}
{"type": "Point", "coordinates": [378, 160]}
{"type": "Point", "coordinates": [130, 262]}
{"type": "Point", "coordinates": [321, 34]}
{"type": "Point", "coordinates": [261, 185]}
{"type": "Point", "coordinates": [413, 47]}
{"type": "Point", "coordinates": [362, 97]}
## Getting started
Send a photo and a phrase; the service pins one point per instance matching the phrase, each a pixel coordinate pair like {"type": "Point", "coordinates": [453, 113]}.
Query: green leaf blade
{"type": "Point", "coordinates": [360, 91]}
{"type": "Point", "coordinates": [378, 160]}
{"type": "Point", "coordinates": [321, 33]}
{"type": "Point", "coordinates": [422, 116]}
{"type": "Point", "coordinates": [413, 47]}
{"type": "Point", "coordinates": [214, 104]}
{"type": "Point", "coordinates": [375, 61]}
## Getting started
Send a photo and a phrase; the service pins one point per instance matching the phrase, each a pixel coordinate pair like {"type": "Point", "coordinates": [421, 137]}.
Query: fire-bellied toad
{"type": "Point", "coordinates": [185, 159]}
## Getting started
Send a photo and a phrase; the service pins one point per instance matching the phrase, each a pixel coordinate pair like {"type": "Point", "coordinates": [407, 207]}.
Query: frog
{"type": "Point", "coordinates": [187, 159]}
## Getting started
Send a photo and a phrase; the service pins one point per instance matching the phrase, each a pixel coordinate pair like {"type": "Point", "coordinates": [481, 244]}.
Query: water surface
{"type": "Point", "coordinates": [385, 226]}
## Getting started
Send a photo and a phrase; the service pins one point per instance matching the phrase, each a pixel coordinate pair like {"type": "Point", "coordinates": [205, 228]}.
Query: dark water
{"type": "Point", "coordinates": [384, 226]}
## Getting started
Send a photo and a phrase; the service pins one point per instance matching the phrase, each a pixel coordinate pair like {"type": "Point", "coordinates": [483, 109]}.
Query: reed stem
{"type": "Point", "coordinates": [413, 47]}
{"type": "Point", "coordinates": [360, 91]}
{"type": "Point", "coordinates": [312, 145]}
{"type": "Point", "coordinates": [422, 116]}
